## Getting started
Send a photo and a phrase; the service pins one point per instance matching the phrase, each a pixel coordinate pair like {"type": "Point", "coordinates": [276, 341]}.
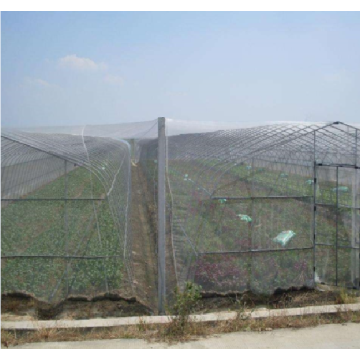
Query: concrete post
{"type": "Point", "coordinates": [355, 266]}
{"type": "Point", "coordinates": [161, 161]}
{"type": "Point", "coordinates": [66, 226]}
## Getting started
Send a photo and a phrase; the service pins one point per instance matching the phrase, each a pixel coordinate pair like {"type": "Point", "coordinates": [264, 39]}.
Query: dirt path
{"type": "Point", "coordinates": [143, 227]}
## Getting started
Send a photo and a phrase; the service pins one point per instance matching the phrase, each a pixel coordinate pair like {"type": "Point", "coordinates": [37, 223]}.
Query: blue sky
{"type": "Point", "coordinates": [94, 68]}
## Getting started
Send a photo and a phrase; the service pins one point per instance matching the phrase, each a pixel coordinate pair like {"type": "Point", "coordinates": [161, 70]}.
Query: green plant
{"type": "Point", "coordinates": [142, 325]}
{"type": "Point", "coordinates": [36, 228]}
{"type": "Point", "coordinates": [185, 302]}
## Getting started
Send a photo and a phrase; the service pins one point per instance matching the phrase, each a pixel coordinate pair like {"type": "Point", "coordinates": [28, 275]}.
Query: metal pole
{"type": "Point", "coordinates": [355, 229]}
{"type": "Point", "coordinates": [252, 227]}
{"type": "Point", "coordinates": [66, 225]}
{"type": "Point", "coordinates": [355, 241]}
{"type": "Point", "coordinates": [161, 161]}
{"type": "Point", "coordinates": [337, 222]}
{"type": "Point", "coordinates": [315, 184]}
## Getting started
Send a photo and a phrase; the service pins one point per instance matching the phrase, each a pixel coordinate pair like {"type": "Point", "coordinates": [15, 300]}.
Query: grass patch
{"type": "Point", "coordinates": [346, 297]}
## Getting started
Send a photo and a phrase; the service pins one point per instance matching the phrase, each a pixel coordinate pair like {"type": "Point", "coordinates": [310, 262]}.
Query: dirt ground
{"type": "Point", "coordinates": [143, 227]}
{"type": "Point", "coordinates": [291, 298]}
{"type": "Point", "coordinates": [26, 308]}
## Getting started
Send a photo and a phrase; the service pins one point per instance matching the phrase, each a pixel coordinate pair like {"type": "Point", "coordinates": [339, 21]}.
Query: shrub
{"type": "Point", "coordinates": [185, 302]}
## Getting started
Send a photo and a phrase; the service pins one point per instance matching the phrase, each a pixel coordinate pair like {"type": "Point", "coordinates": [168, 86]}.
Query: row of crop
{"type": "Point", "coordinates": [44, 232]}
{"type": "Point", "coordinates": [215, 225]}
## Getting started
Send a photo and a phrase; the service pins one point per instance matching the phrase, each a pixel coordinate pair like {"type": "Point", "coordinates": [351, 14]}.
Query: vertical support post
{"type": "Point", "coordinates": [355, 238]}
{"type": "Point", "coordinates": [315, 184]}
{"type": "Point", "coordinates": [161, 161]}
{"type": "Point", "coordinates": [66, 228]}
{"type": "Point", "coordinates": [355, 229]}
{"type": "Point", "coordinates": [252, 227]}
{"type": "Point", "coordinates": [337, 225]}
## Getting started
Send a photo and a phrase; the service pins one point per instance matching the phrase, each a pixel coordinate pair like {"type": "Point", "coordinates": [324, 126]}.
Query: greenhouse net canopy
{"type": "Point", "coordinates": [235, 209]}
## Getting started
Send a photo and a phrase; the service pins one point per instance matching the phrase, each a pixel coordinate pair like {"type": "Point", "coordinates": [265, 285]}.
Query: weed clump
{"type": "Point", "coordinates": [185, 302]}
{"type": "Point", "coordinates": [345, 297]}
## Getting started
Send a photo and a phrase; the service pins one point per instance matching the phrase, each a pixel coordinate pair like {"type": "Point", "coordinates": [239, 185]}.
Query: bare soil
{"type": "Point", "coordinates": [286, 299]}
{"type": "Point", "coordinates": [143, 227]}
{"type": "Point", "coordinates": [17, 307]}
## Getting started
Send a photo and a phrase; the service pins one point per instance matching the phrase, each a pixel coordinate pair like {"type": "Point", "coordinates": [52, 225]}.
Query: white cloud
{"type": "Point", "coordinates": [37, 82]}
{"type": "Point", "coordinates": [113, 79]}
{"type": "Point", "coordinates": [78, 63]}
